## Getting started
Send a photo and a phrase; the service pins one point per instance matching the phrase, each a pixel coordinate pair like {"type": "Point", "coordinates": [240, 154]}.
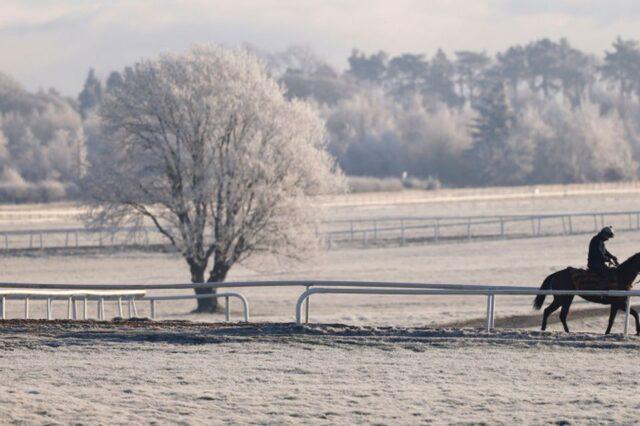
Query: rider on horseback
{"type": "Point", "coordinates": [599, 256]}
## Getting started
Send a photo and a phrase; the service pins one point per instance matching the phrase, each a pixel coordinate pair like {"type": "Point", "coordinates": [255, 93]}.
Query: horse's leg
{"type": "Point", "coordinates": [565, 311]}
{"type": "Point", "coordinates": [635, 316]}
{"type": "Point", "coordinates": [612, 317]}
{"type": "Point", "coordinates": [549, 310]}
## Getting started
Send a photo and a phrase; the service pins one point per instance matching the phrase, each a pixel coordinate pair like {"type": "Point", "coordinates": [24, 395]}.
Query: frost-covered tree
{"type": "Point", "coordinates": [207, 149]}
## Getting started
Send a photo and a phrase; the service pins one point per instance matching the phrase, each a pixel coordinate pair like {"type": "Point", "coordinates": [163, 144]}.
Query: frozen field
{"type": "Point", "coordinates": [172, 373]}
{"type": "Point", "coordinates": [376, 359]}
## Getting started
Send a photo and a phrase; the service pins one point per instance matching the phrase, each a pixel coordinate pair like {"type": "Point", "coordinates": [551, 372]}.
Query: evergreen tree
{"type": "Point", "coordinates": [498, 155]}
{"type": "Point", "coordinates": [113, 81]}
{"type": "Point", "coordinates": [621, 66]}
{"type": "Point", "coordinates": [91, 94]}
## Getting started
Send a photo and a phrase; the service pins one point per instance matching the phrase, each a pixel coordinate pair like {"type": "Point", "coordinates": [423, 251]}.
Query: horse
{"type": "Point", "coordinates": [566, 279]}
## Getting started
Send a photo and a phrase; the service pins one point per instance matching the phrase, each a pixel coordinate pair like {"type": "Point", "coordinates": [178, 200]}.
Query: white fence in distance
{"type": "Point", "coordinates": [354, 232]}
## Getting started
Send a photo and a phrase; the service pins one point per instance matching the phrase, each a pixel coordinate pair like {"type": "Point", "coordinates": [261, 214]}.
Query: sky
{"type": "Point", "coordinates": [53, 43]}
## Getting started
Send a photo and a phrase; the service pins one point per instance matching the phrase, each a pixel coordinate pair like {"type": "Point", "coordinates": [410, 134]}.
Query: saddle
{"type": "Point", "coordinates": [587, 280]}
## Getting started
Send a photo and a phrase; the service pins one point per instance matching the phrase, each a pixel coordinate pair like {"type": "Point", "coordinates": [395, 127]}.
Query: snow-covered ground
{"type": "Point", "coordinates": [376, 359]}
{"type": "Point", "coordinates": [90, 373]}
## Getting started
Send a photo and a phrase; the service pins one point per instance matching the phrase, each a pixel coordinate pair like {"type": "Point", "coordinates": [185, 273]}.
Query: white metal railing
{"type": "Point", "coordinates": [226, 295]}
{"type": "Point", "coordinates": [489, 291]}
{"type": "Point", "coordinates": [72, 297]}
{"type": "Point", "coordinates": [338, 287]}
{"type": "Point", "coordinates": [354, 231]}
{"type": "Point", "coordinates": [466, 228]}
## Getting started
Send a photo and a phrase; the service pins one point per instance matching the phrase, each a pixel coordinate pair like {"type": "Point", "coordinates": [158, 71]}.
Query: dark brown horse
{"type": "Point", "coordinates": [576, 279]}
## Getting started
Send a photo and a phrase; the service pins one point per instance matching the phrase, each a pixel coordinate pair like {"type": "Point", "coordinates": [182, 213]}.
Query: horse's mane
{"type": "Point", "coordinates": [632, 259]}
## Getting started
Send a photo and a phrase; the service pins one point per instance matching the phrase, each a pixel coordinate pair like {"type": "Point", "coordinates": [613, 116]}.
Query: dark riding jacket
{"type": "Point", "coordinates": [598, 255]}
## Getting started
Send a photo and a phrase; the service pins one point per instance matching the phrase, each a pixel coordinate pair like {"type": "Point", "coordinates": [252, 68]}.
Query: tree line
{"type": "Point", "coordinates": [535, 113]}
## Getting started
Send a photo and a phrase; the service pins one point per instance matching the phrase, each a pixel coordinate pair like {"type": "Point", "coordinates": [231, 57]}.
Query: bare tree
{"type": "Point", "coordinates": [207, 149]}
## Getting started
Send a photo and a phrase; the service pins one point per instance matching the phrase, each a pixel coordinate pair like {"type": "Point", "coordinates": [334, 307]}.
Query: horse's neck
{"type": "Point", "coordinates": [628, 271]}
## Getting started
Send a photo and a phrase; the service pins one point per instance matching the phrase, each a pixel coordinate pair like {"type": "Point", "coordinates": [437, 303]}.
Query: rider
{"type": "Point", "coordinates": [599, 256]}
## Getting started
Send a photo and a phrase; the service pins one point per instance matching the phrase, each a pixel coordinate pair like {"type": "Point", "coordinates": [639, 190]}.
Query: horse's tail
{"type": "Point", "coordinates": [539, 300]}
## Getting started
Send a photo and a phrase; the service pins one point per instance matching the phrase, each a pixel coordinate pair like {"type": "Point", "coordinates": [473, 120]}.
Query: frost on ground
{"type": "Point", "coordinates": [282, 373]}
{"type": "Point", "coordinates": [430, 366]}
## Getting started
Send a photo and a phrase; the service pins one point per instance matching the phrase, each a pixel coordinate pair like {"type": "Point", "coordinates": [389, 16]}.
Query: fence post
{"type": "Point", "coordinates": [153, 309]}
{"type": "Point", "coordinates": [3, 306]}
{"type": "Point", "coordinates": [26, 308]}
{"type": "Point", "coordinates": [533, 226]}
{"type": "Point", "coordinates": [539, 225]}
{"type": "Point", "coordinates": [626, 315]}
{"type": "Point", "coordinates": [48, 308]}
{"type": "Point", "coordinates": [493, 311]}
{"type": "Point", "coordinates": [306, 309]}
{"type": "Point", "coordinates": [226, 309]}
{"type": "Point", "coordinates": [488, 322]}
{"type": "Point", "coordinates": [570, 226]}
{"type": "Point", "coordinates": [85, 313]}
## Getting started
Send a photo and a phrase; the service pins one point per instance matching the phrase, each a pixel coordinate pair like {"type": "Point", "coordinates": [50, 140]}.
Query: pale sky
{"type": "Point", "coordinates": [53, 43]}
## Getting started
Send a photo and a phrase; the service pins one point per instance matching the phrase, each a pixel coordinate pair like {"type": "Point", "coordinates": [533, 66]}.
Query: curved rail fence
{"type": "Point", "coordinates": [353, 232]}
{"type": "Point", "coordinates": [311, 287]}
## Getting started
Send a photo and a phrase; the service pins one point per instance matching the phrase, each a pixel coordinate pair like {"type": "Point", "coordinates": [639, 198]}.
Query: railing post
{"type": "Point", "coordinates": [26, 308]}
{"type": "Point", "coordinates": [85, 313]}
{"type": "Point", "coordinates": [48, 308]}
{"type": "Point", "coordinates": [227, 316]}
{"type": "Point", "coordinates": [120, 307]}
{"type": "Point", "coordinates": [488, 322]}
{"type": "Point", "coordinates": [626, 315]}
{"type": "Point", "coordinates": [3, 306]}
{"type": "Point", "coordinates": [306, 309]}
{"type": "Point", "coordinates": [493, 311]}
{"type": "Point", "coordinates": [153, 309]}
{"type": "Point", "coordinates": [570, 226]}
{"type": "Point", "coordinates": [375, 231]}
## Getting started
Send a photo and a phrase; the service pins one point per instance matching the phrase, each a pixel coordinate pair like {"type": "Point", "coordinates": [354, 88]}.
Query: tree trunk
{"type": "Point", "coordinates": [217, 275]}
{"type": "Point", "coordinates": [197, 276]}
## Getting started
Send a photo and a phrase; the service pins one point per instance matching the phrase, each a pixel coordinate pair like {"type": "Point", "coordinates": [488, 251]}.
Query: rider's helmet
{"type": "Point", "coordinates": [607, 232]}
